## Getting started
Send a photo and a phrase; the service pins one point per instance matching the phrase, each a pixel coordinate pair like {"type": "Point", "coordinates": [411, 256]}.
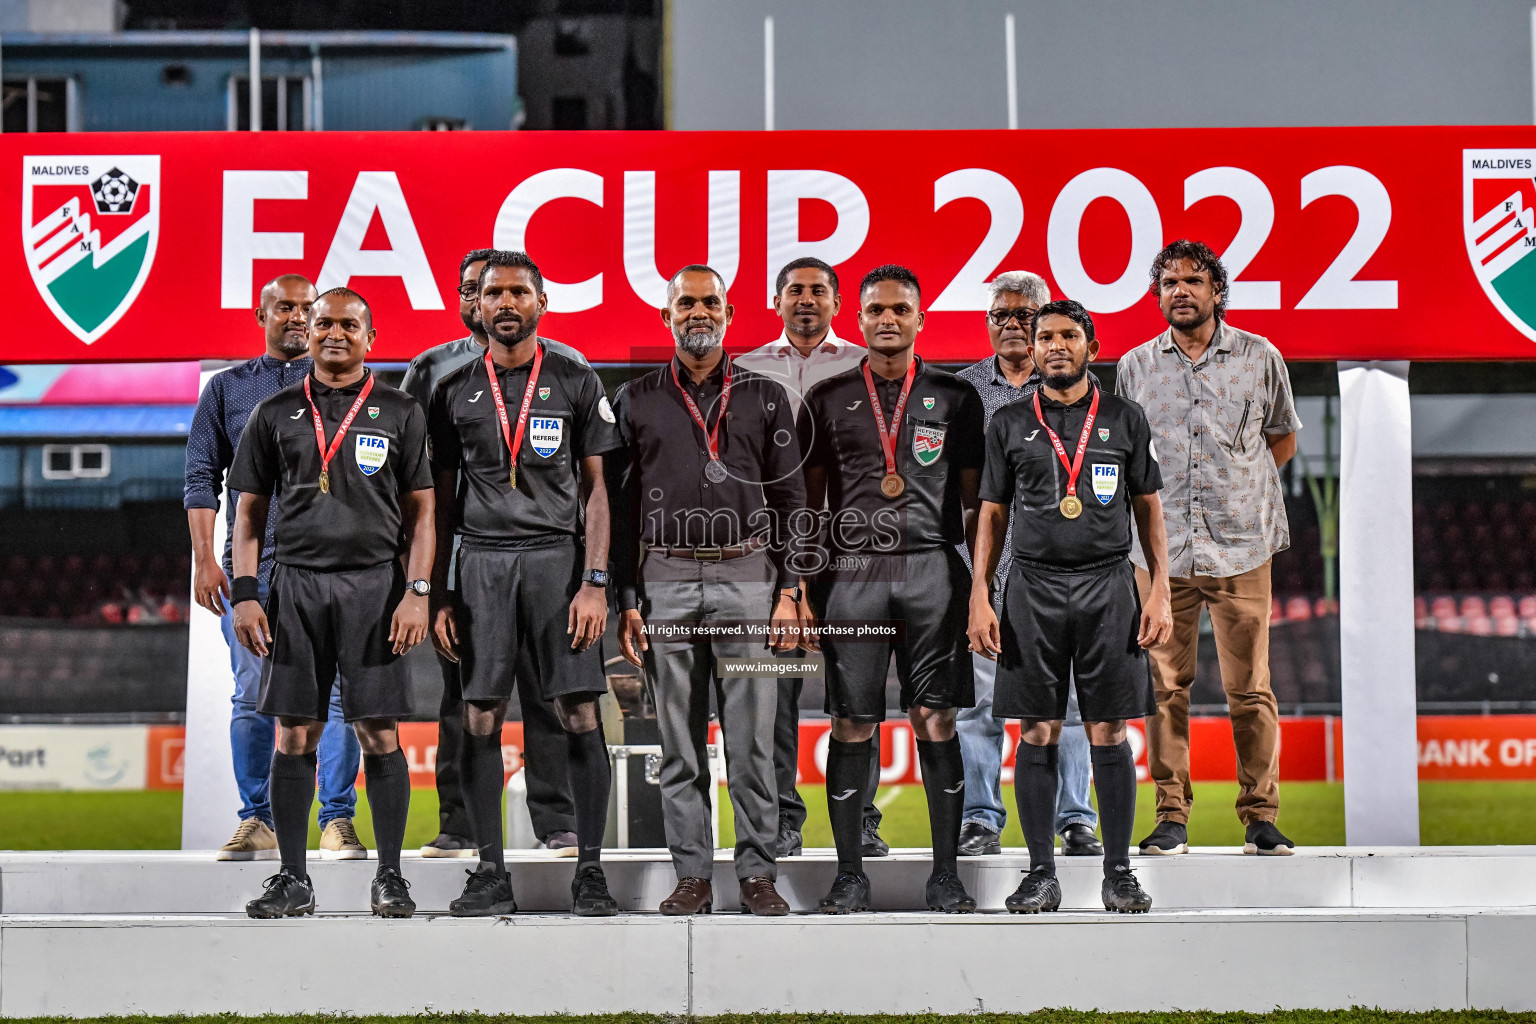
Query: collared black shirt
{"type": "Point", "coordinates": [356, 525]}
{"type": "Point", "coordinates": [568, 420]}
{"type": "Point", "coordinates": [437, 362]}
{"type": "Point", "coordinates": [1023, 469]}
{"type": "Point", "coordinates": [661, 496]}
{"type": "Point", "coordinates": [941, 434]}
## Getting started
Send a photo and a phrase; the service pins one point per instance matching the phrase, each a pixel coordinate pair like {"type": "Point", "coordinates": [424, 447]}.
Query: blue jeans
{"type": "Point", "coordinates": [253, 735]}
{"type": "Point", "coordinates": [981, 747]}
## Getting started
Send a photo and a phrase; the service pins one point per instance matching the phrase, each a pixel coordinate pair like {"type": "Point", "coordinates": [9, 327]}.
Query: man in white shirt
{"type": "Point", "coordinates": [809, 351]}
{"type": "Point", "coordinates": [805, 354]}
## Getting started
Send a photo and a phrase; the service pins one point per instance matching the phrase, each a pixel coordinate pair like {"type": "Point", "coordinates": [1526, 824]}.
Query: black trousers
{"type": "Point", "coordinates": [786, 760]}
{"type": "Point", "coordinates": [545, 761]}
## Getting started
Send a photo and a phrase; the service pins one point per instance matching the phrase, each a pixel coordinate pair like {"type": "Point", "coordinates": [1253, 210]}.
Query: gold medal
{"type": "Point", "coordinates": [325, 482]}
{"type": "Point", "coordinates": [514, 478]}
{"type": "Point", "coordinates": [891, 485]}
{"type": "Point", "coordinates": [1071, 506]}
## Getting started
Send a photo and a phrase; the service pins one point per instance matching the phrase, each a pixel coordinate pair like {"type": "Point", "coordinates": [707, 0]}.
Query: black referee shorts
{"type": "Point", "coordinates": [1055, 623]}
{"type": "Point", "coordinates": [330, 624]}
{"type": "Point", "coordinates": [514, 609]}
{"type": "Point", "coordinates": [927, 597]}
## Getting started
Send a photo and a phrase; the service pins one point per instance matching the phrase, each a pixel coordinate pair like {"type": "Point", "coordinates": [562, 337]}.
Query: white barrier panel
{"type": "Point", "coordinates": [210, 803]}
{"type": "Point", "coordinates": [73, 756]}
{"type": "Point", "coordinates": [1376, 643]}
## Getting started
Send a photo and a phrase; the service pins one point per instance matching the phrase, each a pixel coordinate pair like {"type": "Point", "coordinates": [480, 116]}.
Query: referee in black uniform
{"type": "Point", "coordinates": [544, 745]}
{"type": "Point", "coordinates": [347, 457]}
{"type": "Point", "coordinates": [896, 447]}
{"type": "Point", "coordinates": [1076, 464]}
{"type": "Point", "coordinates": [518, 438]}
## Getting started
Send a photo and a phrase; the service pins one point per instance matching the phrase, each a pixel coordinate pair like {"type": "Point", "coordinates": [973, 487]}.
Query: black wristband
{"type": "Point", "coordinates": [244, 588]}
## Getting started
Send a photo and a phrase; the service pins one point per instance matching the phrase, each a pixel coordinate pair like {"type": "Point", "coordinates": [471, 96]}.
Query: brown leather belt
{"type": "Point", "coordinates": [714, 554]}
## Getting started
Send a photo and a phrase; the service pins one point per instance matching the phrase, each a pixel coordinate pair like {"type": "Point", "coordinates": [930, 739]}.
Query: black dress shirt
{"type": "Point", "coordinates": [660, 495]}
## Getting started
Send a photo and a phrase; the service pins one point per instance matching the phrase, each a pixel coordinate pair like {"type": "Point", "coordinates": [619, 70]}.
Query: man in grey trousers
{"type": "Point", "coordinates": [705, 494]}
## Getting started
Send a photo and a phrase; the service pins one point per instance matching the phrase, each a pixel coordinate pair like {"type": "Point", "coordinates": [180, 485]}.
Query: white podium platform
{"type": "Point", "coordinates": [163, 933]}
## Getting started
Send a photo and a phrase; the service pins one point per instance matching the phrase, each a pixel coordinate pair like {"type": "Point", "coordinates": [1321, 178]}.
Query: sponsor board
{"type": "Point", "coordinates": [1323, 230]}
{"type": "Point", "coordinates": [1450, 748]}
{"type": "Point", "coordinates": [73, 757]}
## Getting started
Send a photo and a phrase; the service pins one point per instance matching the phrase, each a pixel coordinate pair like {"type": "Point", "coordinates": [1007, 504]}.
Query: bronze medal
{"type": "Point", "coordinates": [1071, 506]}
{"type": "Point", "coordinates": [327, 454]}
{"type": "Point", "coordinates": [891, 485]}
{"type": "Point", "coordinates": [513, 438]}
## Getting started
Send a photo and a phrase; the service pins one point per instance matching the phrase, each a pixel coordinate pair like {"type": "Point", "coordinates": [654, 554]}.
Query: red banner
{"type": "Point", "coordinates": [1450, 747]}
{"type": "Point", "coordinates": [1352, 243]}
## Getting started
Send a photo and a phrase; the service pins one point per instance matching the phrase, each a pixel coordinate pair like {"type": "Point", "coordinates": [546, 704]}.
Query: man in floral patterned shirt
{"type": "Point", "coordinates": [1223, 423]}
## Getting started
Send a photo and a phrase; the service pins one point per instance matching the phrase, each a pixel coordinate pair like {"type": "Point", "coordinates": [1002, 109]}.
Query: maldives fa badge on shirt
{"type": "Point", "coordinates": [372, 451]}
{"type": "Point", "coordinates": [543, 394]}
{"type": "Point", "coordinates": [373, 412]}
{"type": "Point", "coordinates": [1106, 478]}
{"type": "Point", "coordinates": [927, 444]}
{"type": "Point", "coordinates": [545, 434]}
{"type": "Point", "coordinates": [1103, 433]}
{"type": "Point", "coordinates": [927, 403]}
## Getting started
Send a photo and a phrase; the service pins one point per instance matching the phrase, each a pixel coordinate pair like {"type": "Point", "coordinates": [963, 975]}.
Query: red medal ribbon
{"type": "Point", "coordinates": [327, 454]}
{"type": "Point", "coordinates": [1076, 465]}
{"type": "Point", "coordinates": [711, 437]}
{"type": "Point", "coordinates": [888, 438]}
{"type": "Point", "coordinates": [514, 440]}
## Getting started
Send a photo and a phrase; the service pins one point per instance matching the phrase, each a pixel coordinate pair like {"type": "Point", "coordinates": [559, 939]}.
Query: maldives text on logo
{"type": "Point", "coordinates": [1500, 223]}
{"type": "Point", "coordinates": [90, 224]}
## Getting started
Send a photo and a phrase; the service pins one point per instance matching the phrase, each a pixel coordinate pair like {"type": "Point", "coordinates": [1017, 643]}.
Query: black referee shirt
{"type": "Point", "coordinates": [941, 434]}
{"type": "Point", "coordinates": [568, 420]}
{"type": "Point", "coordinates": [661, 496]}
{"type": "Point", "coordinates": [1023, 468]}
{"type": "Point", "coordinates": [356, 525]}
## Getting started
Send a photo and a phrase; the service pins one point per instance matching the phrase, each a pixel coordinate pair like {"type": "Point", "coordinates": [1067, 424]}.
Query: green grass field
{"type": "Point", "coordinates": [1312, 814]}
{"type": "Point", "coordinates": [1356, 1016]}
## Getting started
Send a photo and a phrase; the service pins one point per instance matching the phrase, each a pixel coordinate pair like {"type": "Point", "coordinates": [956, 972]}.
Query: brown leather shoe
{"type": "Point", "coordinates": [691, 896]}
{"type": "Point", "coordinates": [760, 897]}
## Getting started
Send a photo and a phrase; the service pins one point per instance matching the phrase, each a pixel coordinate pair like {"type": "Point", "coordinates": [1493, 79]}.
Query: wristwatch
{"type": "Point", "coordinates": [595, 578]}
{"type": "Point", "coordinates": [421, 588]}
{"type": "Point", "coordinates": [796, 597]}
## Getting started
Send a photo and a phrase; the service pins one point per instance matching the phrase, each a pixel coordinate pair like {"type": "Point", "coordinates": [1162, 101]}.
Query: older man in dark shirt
{"type": "Point", "coordinates": [705, 493]}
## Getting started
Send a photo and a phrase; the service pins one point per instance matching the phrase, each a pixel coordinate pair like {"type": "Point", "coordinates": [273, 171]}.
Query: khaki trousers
{"type": "Point", "coordinates": [1239, 607]}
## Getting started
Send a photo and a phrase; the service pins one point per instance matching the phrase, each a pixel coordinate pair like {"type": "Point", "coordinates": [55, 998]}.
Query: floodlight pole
{"type": "Point", "coordinates": [768, 73]}
{"type": "Point", "coordinates": [255, 76]}
{"type": "Point", "coordinates": [1013, 73]}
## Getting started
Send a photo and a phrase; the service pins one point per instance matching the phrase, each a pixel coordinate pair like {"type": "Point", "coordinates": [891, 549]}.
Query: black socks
{"type": "Point", "coordinates": [590, 776]}
{"type": "Point", "coordinates": [292, 795]}
{"type": "Point", "coordinates": [484, 780]}
{"type": "Point", "coordinates": [944, 782]}
{"type": "Point", "coordinates": [847, 780]}
{"type": "Point", "coordinates": [1114, 778]}
{"type": "Point", "coordinates": [1034, 789]}
{"type": "Point", "coordinates": [389, 798]}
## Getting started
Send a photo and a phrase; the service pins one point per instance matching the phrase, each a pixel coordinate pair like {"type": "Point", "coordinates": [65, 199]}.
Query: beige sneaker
{"type": "Point", "coordinates": [253, 840]}
{"type": "Point", "coordinates": [339, 842]}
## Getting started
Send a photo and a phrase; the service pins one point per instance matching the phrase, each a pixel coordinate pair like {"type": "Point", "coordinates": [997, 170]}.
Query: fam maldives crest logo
{"type": "Point", "coordinates": [1500, 223]}
{"type": "Point", "coordinates": [89, 225]}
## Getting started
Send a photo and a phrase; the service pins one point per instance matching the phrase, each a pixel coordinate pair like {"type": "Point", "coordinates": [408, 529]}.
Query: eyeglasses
{"type": "Point", "coordinates": [1023, 314]}
{"type": "Point", "coordinates": [468, 291]}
